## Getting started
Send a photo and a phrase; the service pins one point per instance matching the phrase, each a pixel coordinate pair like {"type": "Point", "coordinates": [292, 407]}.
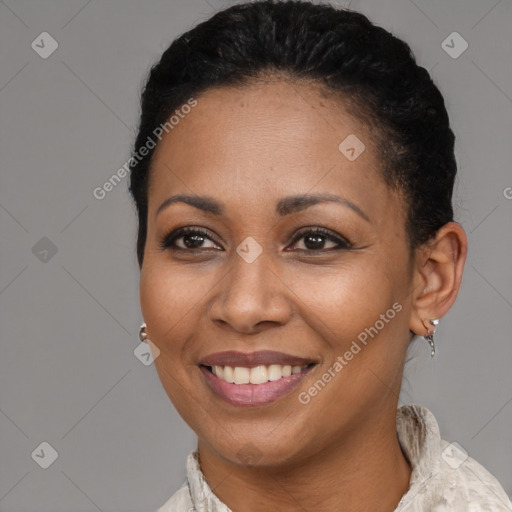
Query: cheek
{"type": "Point", "coordinates": [356, 313]}
{"type": "Point", "coordinates": [171, 298]}
{"type": "Point", "coordinates": [342, 300]}
{"type": "Point", "coordinates": [170, 303]}
{"type": "Point", "coordinates": [164, 300]}
{"type": "Point", "coordinates": [359, 323]}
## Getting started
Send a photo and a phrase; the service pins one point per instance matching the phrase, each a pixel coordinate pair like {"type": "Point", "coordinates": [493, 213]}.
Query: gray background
{"type": "Point", "coordinates": [69, 321]}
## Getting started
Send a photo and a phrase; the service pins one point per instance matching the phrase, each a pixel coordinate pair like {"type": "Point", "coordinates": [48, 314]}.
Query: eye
{"type": "Point", "coordinates": [187, 238]}
{"type": "Point", "coordinates": [316, 239]}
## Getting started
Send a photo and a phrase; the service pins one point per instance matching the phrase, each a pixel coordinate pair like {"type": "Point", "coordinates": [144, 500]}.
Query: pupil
{"type": "Point", "coordinates": [197, 241]}
{"type": "Point", "coordinates": [318, 241]}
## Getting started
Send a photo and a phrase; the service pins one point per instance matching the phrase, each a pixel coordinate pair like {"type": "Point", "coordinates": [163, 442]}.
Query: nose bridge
{"type": "Point", "coordinates": [251, 293]}
{"type": "Point", "coordinates": [250, 268]}
{"type": "Point", "coordinates": [249, 280]}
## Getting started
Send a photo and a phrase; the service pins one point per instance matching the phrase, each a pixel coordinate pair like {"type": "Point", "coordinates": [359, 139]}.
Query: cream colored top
{"type": "Point", "coordinates": [443, 477]}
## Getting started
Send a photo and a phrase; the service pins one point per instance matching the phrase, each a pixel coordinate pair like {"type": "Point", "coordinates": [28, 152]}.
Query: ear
{"type": "Point", "coordinates": [437, 276]}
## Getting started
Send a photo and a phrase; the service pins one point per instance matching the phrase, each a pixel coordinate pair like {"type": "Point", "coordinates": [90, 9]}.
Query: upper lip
{"type": "Point", "coordinates": [251, 359]}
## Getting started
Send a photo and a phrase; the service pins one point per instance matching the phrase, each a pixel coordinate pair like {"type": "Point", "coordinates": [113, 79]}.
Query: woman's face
{"type": "Point", "coordinates": [259, 277]}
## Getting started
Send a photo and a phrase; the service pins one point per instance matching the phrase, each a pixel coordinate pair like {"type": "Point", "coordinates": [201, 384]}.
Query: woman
{"type": "Point", "coordinates": [295, 233]}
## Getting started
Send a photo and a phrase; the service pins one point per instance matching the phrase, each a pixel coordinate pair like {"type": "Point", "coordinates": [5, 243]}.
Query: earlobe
{"type": "Point", "coordinates": [438, 276]}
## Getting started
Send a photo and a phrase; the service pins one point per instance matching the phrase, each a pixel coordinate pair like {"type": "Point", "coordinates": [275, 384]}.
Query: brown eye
{"type": "Point", "coordinates": [187, 239]}
{"type": "Point", "coordinates": [317, 239]}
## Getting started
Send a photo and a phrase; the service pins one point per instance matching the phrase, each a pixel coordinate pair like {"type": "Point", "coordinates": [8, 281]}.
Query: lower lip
{"type": "Point", "coordinates": [244, 395]}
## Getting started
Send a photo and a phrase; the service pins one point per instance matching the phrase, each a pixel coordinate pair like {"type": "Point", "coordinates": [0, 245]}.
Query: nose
{"type": "Point", "coordinates": [252, 297]}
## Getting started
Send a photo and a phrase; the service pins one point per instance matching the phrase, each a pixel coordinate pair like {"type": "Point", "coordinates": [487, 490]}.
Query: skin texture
{"type": "Point", "coordinates": [247, 148]}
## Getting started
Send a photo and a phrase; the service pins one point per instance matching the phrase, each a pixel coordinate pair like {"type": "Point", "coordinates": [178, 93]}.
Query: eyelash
{"type": "Point", "coordinates": [167, 242]}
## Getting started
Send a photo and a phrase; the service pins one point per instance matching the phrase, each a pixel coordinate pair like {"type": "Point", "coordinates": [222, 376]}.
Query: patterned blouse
{"type": "Point", "coordinates": [444, 478]}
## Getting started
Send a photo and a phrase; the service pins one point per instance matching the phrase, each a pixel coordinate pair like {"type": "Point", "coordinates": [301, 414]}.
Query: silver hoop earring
{"type": "Point", "coordinates": [430, 336]}
{"type": "Point", "coordinates": [143, 335]}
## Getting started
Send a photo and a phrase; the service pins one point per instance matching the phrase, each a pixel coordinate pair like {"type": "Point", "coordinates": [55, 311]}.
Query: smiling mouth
{"type": "Point", "coordinates": [257, 374]}
{"type": "Point", "coordinates": [241, 392]}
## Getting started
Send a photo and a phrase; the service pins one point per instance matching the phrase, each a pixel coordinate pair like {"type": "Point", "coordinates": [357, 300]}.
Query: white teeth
{"type": "Point", "coordinates": [287, 370]}
{"type": "Point", "coordinates": [219, 371]}
{"type": "Point", "coordinates": [228, 374]}
{"type": "Point", "coordinates": [274, 372]}
{"type": "Point", "coordinates": [256, 375]}
{"type": "Point", "coordinates": [259, 375]}
{"type": "Point", "coordinates": [241, 375]}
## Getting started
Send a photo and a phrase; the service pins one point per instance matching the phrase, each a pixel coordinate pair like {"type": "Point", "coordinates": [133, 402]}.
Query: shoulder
{"type": "Point", "coordinates": [444, 477]}
{"type": "Point", "coordinates": [179, 502]}
{"type": "Point", "coordinates": [467, 484]}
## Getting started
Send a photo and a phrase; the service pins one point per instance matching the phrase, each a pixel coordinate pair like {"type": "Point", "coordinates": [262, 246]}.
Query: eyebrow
{"type": "Point", "coordinates": [284, 206]}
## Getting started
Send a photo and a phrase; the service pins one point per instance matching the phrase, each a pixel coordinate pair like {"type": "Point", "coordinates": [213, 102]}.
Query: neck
{"type": "Point", "coordinates": [366, 471]}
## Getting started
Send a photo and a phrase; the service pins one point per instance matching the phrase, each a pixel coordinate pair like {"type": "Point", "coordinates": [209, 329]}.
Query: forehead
{"type": "Point", "coordinates": [266, 140]}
